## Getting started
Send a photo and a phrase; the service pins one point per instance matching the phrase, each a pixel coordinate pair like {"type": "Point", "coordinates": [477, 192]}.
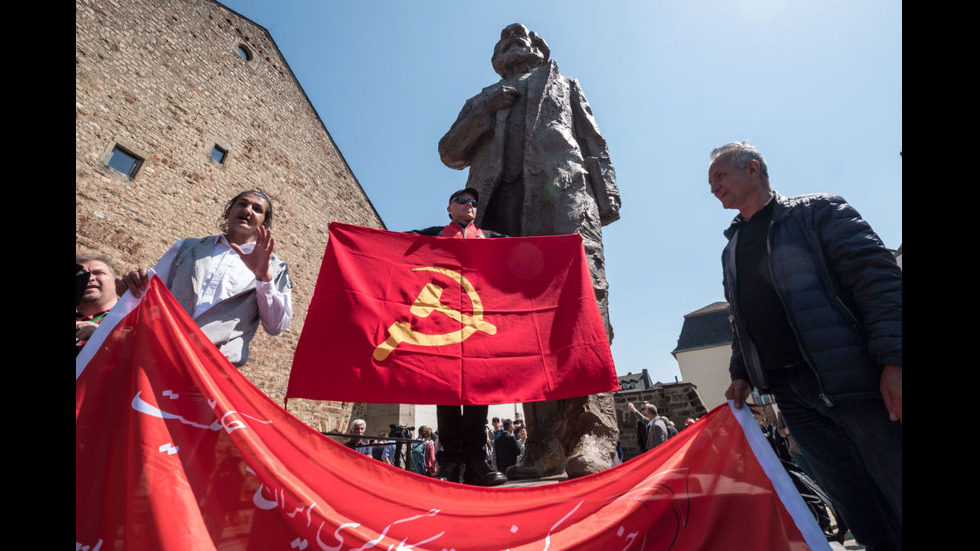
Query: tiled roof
{"type": "Point", "coordinates": [635, 381]}
{"type": "Point", "coordinates": [708, 326]}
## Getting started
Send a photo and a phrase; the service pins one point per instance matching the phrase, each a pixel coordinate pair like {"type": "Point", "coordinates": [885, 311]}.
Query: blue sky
{"type": "Point", "coordinates": [815, 85]}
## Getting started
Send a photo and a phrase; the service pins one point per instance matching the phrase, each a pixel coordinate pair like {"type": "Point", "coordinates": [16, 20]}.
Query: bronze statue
{"type": "Point", "coordinates": [542, 168]}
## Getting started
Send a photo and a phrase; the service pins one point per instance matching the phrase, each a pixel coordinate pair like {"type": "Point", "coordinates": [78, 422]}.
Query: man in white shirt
{"type": "Point", "coordinates": [231, 282]}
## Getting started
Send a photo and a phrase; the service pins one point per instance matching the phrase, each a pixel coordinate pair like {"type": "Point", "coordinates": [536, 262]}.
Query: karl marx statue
{"type": "Point", "coordinates": [541, 168]}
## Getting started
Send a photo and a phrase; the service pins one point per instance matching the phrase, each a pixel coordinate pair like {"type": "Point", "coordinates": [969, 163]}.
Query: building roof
{"type": "Point", "coordinates": [635, 381]}
{"type": "Point", "coordinates": [708, 326]}
{"type": "Point", "coordinates": [711, 308]}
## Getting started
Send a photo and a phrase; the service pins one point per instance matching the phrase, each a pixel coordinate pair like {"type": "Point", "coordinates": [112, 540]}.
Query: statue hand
{"type": "Point", "coordinates": [501, 98]}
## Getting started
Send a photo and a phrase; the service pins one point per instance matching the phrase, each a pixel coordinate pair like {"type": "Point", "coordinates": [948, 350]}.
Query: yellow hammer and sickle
{"type": "Point", "coordinates": [429, 301]}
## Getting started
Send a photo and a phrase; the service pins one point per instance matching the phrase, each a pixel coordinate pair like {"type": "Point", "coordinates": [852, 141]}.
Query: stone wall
{"type": "Point", "coordinates": [676, 401]}
{"type": "Point", "coordinates": [164, 79]}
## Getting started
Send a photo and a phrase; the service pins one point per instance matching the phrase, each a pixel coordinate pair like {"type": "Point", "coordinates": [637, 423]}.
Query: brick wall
{"type": "Point", "coordinates": [164, 79]}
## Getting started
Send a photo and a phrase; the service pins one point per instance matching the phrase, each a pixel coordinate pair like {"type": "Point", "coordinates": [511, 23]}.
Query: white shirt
{"type": "Point", "coordinates": [227, 277]}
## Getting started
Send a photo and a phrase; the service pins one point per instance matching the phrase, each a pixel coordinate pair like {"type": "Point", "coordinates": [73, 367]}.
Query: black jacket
{"type": "Point", "coordinates": [842, 291]}
{"type": "Point", "coordinates": [434, 231]}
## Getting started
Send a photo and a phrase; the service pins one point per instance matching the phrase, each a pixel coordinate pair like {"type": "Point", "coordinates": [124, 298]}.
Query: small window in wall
{"type": "Point", "coordinates": [245, 52]}
{"type": "Point", "coordinates": [219, 154]}
{"type": "Point", "coordinates": [124, 161]}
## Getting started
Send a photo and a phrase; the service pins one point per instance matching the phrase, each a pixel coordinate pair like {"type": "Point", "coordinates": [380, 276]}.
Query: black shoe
{"type": "Point", "coordinates": [478, 474]}
{"type": "Point", "coordinates": [449, 471]}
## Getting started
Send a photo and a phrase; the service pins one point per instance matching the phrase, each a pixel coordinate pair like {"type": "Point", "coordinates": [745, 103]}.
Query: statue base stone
{"type": "Point", "coordinates": [574, 435]}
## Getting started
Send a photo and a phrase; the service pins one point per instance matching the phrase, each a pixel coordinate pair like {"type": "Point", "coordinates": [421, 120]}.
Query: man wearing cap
{"type": "Point", "coordinates": [462, 214]}
{"type": "Point", "coordinates": [461, 428]}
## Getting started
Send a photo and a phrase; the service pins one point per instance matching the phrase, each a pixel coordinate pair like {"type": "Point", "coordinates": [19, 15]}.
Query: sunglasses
{"type": "Point", "coordinates": [464, 200]}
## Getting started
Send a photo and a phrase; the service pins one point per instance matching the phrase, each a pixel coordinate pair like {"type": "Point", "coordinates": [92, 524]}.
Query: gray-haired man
{"type": "Point", "coordinates": [816, 307]}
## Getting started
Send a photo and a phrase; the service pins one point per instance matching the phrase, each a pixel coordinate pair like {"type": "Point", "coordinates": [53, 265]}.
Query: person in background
{"type": "Point", "coordinates": [358, 443]}
{"type": "Point", "coordinates": [506, 448]}
{"type": "Point", "coordinates": [98, 295]}
{"type": "Point", "coordinates": [429, 451]}
{"type": "Point", "coordinates": [497, 427]}
{"type": "Point", "coordinates": [521, 439]}
{"type": "Point", "coordinates": [384, 449]}
{"type": "Point", "coordinates": [656, 427]}
{"type": "Point", "coordinates": [518, 422]}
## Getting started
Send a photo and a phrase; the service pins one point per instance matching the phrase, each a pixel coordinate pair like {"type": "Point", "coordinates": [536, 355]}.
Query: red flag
{"type": "Point", "coordinates": [176, 450]}
{"type": "Point", "coordinates": [404, 318]}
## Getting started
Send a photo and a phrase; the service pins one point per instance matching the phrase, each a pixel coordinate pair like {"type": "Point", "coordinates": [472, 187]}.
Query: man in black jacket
{"type": "Point", "coordinates": [462, 433]}
{"type": "Point", "coordinates": [506, 447]}
{"type": "Point", "coordinates": [816, 309]}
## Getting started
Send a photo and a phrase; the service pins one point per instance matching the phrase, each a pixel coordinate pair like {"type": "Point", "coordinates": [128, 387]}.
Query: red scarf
{"type": "Point", "coordinates": [453, 229]}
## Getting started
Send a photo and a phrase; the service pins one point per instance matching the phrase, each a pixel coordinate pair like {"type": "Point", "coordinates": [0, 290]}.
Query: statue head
{"type": "Point", "coordinates": [518, 51]}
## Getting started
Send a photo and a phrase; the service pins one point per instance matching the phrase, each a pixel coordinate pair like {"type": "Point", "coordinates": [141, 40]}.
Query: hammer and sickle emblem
{"type": "Point", "coordinates": [429, 301]}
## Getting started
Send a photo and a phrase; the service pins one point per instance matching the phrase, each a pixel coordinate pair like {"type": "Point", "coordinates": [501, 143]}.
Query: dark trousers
{"type": "Point", "coordinates": [462, 432]}
{"type": "Point", "coordinates": [854, 451]}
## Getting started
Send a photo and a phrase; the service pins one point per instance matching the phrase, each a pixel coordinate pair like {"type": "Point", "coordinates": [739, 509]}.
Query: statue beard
{"type": "Point", "coordinates": [517, 60]}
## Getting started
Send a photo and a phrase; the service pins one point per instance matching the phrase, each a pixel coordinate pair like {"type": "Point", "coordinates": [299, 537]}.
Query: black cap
{"type": "Point", "coordinates": [468, 190]}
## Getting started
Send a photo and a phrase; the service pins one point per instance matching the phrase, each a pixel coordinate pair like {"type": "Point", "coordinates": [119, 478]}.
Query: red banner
{"type": "Point", "coordinates": [410, 319]}
{"type": "Point", "coordinates": [176, 450]}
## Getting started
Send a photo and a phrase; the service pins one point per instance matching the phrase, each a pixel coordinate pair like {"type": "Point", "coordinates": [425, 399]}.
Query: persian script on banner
{"type": "Point", "coordinates": [405, 318]}
{"type": "Point", "coordinates": [176, 450]}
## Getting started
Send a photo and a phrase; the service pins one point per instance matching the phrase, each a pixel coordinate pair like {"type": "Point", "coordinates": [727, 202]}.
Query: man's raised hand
{"type": "Point", "coordinates": [258, 260]}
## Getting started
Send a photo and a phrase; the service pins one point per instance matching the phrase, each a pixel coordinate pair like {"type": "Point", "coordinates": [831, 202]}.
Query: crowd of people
{"type": "Point", "coordinates": [504, 446]}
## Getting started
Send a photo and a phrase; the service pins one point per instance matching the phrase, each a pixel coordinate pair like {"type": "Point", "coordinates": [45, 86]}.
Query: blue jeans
{"type": "Point", "coordinates": [854, 450]}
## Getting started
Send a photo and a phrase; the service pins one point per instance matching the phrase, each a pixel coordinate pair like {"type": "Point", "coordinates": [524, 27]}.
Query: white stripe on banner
{"type": "Point", "coordinates": [785, 488]}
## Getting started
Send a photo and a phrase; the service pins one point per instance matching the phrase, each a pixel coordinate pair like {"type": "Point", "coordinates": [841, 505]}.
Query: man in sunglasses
{"type": "Point", "coordinates": [462, 433]}
{"type": "Point", "coordinates": [462, 213]}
